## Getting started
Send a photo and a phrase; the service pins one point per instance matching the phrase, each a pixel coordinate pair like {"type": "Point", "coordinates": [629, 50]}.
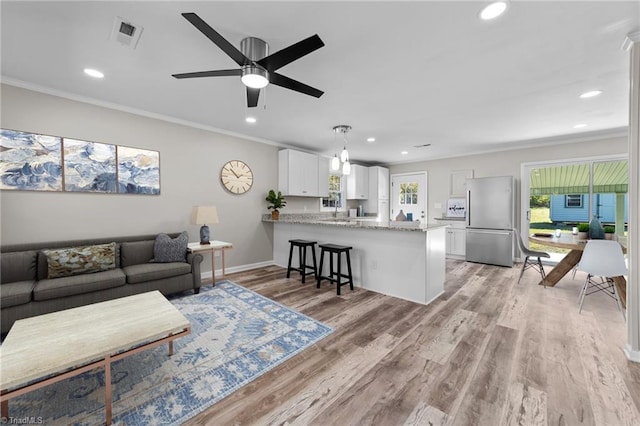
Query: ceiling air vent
{"type": "Point", "coordinates": [424, 145]}
{"type": "Point", "coordinates": [125, 32]}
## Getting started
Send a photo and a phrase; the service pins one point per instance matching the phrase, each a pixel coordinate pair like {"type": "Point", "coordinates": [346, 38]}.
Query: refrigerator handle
{"type": "Point", "coordinates": [468, 209]}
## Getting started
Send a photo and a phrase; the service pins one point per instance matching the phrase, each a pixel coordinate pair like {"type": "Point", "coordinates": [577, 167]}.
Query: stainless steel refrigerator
{"type": "Point", "coordinates": [490, 218]}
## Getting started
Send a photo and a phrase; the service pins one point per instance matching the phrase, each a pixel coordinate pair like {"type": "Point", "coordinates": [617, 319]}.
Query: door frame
{"type": "Point", "coordinates": [525, 173]}
{"type": "Point", "coordinates": [426, 193]}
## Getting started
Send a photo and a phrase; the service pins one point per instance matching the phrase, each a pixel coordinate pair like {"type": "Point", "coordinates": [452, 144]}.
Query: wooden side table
{"type": "Point", "coordinates": [213, 247]}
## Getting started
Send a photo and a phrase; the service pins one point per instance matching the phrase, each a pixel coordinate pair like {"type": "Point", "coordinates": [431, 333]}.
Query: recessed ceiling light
{"type": "Point", "coordinates": [404, 152]}
{"type": "Point", "coordinates": [493, 10]}
{"type": "Point", "coordinates": [371, 139]}
{"type": "Point", "coordinates": [250, 120]}
{"type": "Point", "coordinates": [591, 94]}
{"type": "Point", "coordinates": [93, 73]}
{"type": "Point", "coordinates": [579, 126]}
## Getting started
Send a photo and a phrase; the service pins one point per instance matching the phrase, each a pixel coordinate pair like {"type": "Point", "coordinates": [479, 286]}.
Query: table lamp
{"type": "Point", "coordinates": [203, 215]}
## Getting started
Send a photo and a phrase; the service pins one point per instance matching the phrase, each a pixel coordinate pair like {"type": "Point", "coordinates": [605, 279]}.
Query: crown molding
{"type": "Point", "coordinates": [631, 38]}
{"type": "Point", "coordinates": [92, 101]}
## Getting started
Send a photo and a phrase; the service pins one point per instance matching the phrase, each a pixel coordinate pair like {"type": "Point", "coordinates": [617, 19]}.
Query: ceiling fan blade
{"type": "Point", "coordinates": [219, 41]}
{"type": "Point", "coordinates": [216, 73]}
{"type": "Point", "coordinates": [252, 97]}
{"type": "Point", "coordinates": [289, 83]}
{"type": "Point", "coordinates": [289, 54]}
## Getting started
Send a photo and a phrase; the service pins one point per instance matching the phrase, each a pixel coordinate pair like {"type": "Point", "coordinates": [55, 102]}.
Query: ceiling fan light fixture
{"type": "Point", "coordinates": [254, 77]}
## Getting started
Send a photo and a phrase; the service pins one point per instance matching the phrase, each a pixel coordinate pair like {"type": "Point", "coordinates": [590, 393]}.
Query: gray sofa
{"type": "Point", "coordinates": [25, 290]}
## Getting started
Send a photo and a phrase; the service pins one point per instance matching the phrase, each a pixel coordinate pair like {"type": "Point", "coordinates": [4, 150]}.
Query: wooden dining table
{"type": "Point", "coordinates": [576, 246]}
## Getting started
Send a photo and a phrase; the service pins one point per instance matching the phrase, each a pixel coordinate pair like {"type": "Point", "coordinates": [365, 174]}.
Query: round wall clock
{"type": "Point", "coordinates": [236, 177]}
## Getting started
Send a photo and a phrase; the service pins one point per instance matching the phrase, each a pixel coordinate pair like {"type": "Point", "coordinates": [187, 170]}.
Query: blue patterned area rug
{"type": "Point", "coordinates": [236, 336]}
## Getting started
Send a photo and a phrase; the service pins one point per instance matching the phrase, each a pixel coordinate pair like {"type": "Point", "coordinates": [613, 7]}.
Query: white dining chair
{"type": "Point", "coordinates": [603, 259]}
{"type": "Point", "coordinates": [529, 261]}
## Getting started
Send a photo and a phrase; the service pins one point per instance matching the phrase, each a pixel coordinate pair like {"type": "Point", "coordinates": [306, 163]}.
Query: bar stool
{"type": "Point", "coordinates": [302, 258]}
{"type": "Point", "coordinates": [335, 276]}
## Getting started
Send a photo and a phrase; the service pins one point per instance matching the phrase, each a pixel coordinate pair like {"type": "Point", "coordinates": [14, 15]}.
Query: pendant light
{"type": "Point", "coordinates": [346, 168]}
{"type": "Point", "coordinates": [335, 163]}
{"type": "Point", "coordinates": [344, 155]}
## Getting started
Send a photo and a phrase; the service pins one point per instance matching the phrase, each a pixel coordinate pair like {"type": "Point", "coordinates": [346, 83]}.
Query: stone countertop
{"type": "Point", "coordinates": [346, 222]}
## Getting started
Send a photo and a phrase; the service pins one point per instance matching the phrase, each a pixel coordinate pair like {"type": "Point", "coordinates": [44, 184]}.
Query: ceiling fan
{"type": "Point", "coordinates": [256, 68]}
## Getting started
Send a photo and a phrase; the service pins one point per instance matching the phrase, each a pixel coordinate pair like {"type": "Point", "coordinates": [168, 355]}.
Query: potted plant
{"type": "Point", "coordinates": [583, 231]}
{"type": "Point", "coordinates": [609, 231]}
{"type": "Point", "coordinates": [276, 201]}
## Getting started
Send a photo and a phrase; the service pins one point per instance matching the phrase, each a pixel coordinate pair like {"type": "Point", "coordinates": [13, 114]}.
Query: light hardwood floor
{"type": "Point", "coordinates": [488, 352]}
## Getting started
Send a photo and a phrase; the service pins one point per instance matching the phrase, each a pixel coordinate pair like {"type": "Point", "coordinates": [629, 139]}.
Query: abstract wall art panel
{"type": "Point", "coordinates": [30, 161]}
{"type": "Point", "coordinates": [89, 166]}
{"type": "Point", "coordinates": [138, 171]}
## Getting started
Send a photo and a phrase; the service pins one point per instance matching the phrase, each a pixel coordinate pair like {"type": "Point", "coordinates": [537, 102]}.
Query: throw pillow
{"type": "Point", "coordinates": [80, 260]}
{"type": "Point", "coordinates": [167, 249]}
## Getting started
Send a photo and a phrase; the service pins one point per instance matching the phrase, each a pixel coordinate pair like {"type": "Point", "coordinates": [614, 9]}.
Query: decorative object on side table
{"type": "Point", "coordinates": [583, 231]}
{"type": "Point", "coordinates": [276, 201]}
{"type": "Point", "coordinates": [202, 215]}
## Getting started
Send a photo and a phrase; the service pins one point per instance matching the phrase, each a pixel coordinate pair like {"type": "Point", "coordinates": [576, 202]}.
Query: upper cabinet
{"type": "Point", "coordinates": [358, 183]}
{"type": "Point", "coordinates": [323, 176]}
{"type": "Point", "coordinates": [298, 173]}
{"type": "Point", "coordinates": [378, 183]}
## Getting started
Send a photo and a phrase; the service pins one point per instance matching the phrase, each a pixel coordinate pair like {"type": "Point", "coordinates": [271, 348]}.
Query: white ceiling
{"type": "Point", "coordinates": [406, 73]}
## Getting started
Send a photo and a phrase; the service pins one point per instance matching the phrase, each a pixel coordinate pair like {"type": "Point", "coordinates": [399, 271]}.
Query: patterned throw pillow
{"type": "Point", "coordinates": [80, 260]}
{"type": "Point", "coordinates": [167, 249]}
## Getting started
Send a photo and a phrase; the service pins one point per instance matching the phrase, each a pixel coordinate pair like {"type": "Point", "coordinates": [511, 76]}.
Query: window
{"type": "Point", "coordinates": [335, 194]}
{"type": "Point", "coordinates": [409, 193]}
{"type": "Point", "coordinates": [573, 200]}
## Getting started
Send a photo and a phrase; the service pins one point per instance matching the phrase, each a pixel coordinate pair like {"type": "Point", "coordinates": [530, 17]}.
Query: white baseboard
{"type": "Point", "coordinates": [233, 269]}
{"type": "Point", "coordinates": [631, 354]}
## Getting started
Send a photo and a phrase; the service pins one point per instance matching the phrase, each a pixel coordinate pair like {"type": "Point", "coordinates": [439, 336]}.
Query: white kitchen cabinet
{"type": "Point", "coordinates": [298, 173]}
{"type": "Point", "coordinates": [456, 242]}
{"type": "Point", "coordinates": [378, 183]}
{"type": "Point", "coordinates": [358, 183]}
{"type": "Point", "coordinates": [455, 238]}
{"type": "Point", "coordinates": [323, 176]}
{"type": "Point", "coordinates": [378, 201]}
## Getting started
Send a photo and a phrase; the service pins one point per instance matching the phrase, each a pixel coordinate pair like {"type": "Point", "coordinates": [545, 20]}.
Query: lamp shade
{"type": "Point", "coordinates": [203, 215]}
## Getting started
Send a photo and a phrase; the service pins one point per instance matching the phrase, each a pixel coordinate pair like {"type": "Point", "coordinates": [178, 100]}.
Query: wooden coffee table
{"type": "Point", "coordinates": [53, 347]}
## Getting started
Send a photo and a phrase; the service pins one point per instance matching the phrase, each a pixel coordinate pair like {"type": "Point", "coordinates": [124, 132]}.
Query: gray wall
{"type": "Point", "coordinates": [190, 163]}
{"type": "Point", "coordinates": [505, 163]}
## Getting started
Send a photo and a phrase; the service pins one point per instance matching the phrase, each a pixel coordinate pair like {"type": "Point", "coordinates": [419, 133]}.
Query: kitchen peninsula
{"type": "Point", "coordinates": [396, 259]}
